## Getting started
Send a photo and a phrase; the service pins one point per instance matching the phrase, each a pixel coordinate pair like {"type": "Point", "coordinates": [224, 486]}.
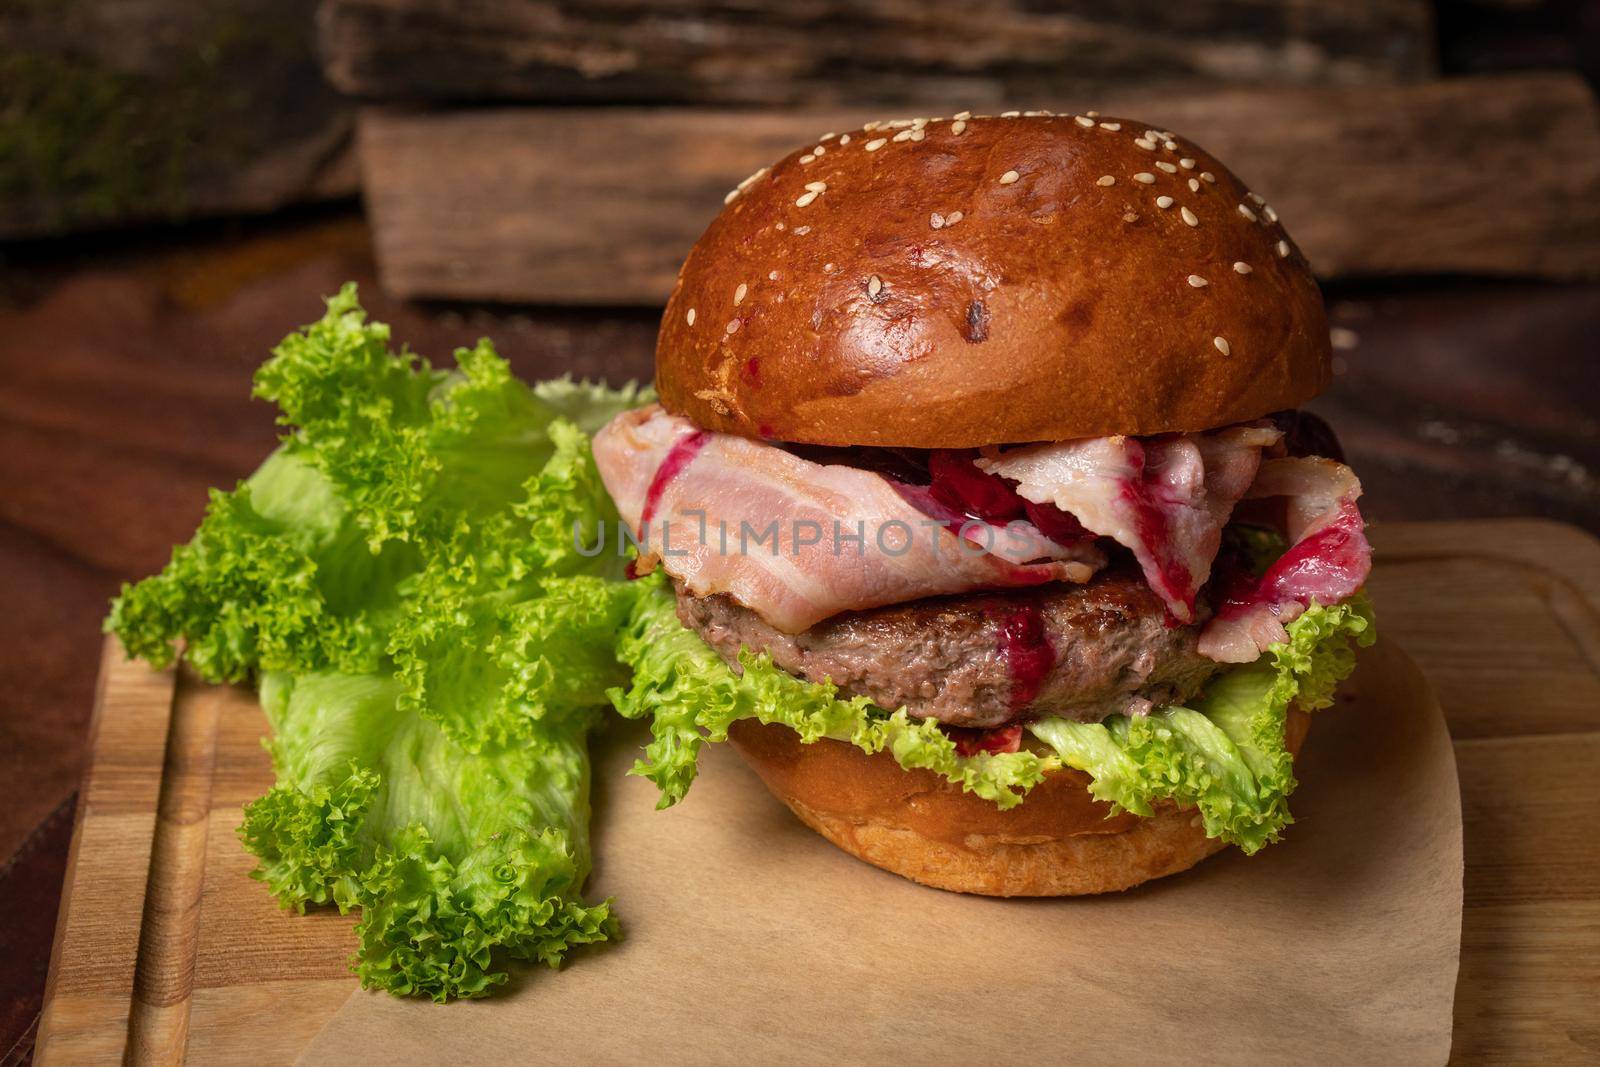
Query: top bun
{"type": "Point", "coordinates": [954, 283]}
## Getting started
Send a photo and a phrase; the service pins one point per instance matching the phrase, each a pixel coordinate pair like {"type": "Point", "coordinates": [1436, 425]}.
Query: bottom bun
{"type": "Point", "coordinates": [1058, 842]}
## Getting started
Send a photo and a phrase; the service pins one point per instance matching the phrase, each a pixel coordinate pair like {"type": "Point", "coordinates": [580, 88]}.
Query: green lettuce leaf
{"type": "Point", "coordinates": [590, 405]}
{"type": "Point", "coordinates": [457, 859]}
{"type": "Point", "coordinates": [390, 466]}
{"type": "Point", "coordinates": [402, 576]}
{"type": "Point", "coordinates": [1226, 756]}
{"type": "Point", "coordinates": [277, 577]}
{"type": "Point", "coordinates": [691, 697]}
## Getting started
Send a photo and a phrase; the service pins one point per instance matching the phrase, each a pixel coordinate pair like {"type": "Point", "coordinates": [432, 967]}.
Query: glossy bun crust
{"type": "Point", "coordinates": [1058, 842]}
{"type": "Point", "coordinates": [988, 286]}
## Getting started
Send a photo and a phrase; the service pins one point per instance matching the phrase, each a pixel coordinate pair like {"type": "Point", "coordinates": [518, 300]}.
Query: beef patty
{"type": "Point", "coordinates": [985, 659]}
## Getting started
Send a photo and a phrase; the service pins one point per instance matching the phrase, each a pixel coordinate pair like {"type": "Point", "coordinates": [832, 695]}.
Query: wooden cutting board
{"type": "Point", "coordinates": [166, 949]}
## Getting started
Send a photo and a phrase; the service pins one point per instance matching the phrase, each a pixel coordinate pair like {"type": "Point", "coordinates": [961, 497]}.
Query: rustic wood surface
{"type": "Point", "coordinates": [165, 945]}
{"type": "Point", "coordinates": [650, 51]}
{"type": "Point", "coordinates": [1495, 176]}
{"type": "Point", "coordinates": [152, 110]}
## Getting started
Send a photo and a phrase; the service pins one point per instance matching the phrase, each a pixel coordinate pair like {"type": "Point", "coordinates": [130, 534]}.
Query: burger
{"type": "Point", "coordinates": [981, 513]}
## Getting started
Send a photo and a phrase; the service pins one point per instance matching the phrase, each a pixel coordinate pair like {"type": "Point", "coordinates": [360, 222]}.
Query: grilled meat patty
{"type": "Point", "coordinates": [985, 659]}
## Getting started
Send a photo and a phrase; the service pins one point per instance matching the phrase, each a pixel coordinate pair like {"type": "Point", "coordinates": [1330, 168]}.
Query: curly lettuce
{"type": "Point", "coordinates": [691, 697]}
{"type": "Point", "coordinates": [1226, 756]}
{"type": "Point", "coordinates": [401, 576]}
{"type": "Point", "coordinates": [456, 859]}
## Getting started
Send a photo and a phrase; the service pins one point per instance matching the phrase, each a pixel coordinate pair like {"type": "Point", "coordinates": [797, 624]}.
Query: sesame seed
{"type": "Point", "coordinates": [1170, 146]}
{"type": "Point", "coordinates": [807, 159]}
{"type": "Point", "coordinates": [1222, 345]}
{"type": "Point", "coordinates": [899, 124]}
{"type": "Point", "coordinates": [1008, 177]}
{"type": "Point", "coordinates": [1207, 176]}
{"type": "Point", "coordinates": [1197, 281]}
{"type": "Point", "coordinates": [801, 231]}
{"type": "Point", "coordinates": [1188, 216]}
{"type": "Point", "coordinates": [874, 285]}
{"type": "Point", "coordinates": [1010, 114]}
{"type": "Point", "coordinates": [1186, 163]}
{"type": "Point", "coordinates": [772, 276]}
{"type": "Point", "coordinates": [1084, 122]}
{"type": "Point", "coordinates": [739, 293]}
{"type": "Point", "coordinates": [917, 124]}
{"type": "Point", "coordinates": [1283, 249]}
{"type": "Point", "coordinates": [1247, 213]}
{"type": "Point", "coordinates": [936, 220]}
{"type": "Point", "coordinates": [1130, 217]}
{"type": "Point", "coordinates": [874, 145]}
{"type": "Point", "coordinates": [733, 326]}
{"type": "Point", "coordinates": [689, 318]}
{"type": "Point", "coordinates": [827, 268]}
{"type": "Point", "coordinates": [845, 139]}
{"type": "Point", "coordinates": [805, 199]}
{"type": "Point", "coordinates": [1148, 146]}
{"type": "Point", "coordinates": [781, 226]}
{"type": "Point", "coordinates": [1168, 167]}
{"type": "Point", "coordinates": [917, 135]}
{"type": "Point", "coordinates": [1272, 216]}
{"type": "Point", "coordinates": [1112, 126]}
{"type": "Point", "coordinates": [817, 187]}
{"type": "Point", "coordinates": [1242, 267]}
{"type": "Point", "coordinates": [748, 181]}
{"type": "Point", "coordinates": [1092, 114]}
{"type": "Point", "coordinates": [870, 126]}
{"type": "Point", "coordinates": [1257, 198]}
{"type": "Point", "coordinates": [953, 218]}
{"type": "Point", "coordinates": [1163, 202]}
{"type": "Point", "coordinates": [958, 126]}
{"type": "Point", "coordinates": [731, 194]}
{"type": "Point", "coordinates": [1105, 179]}
{"type": "Point", "coordinates": [904, 135]}
{"type": "Point", "coordinates": [827, 137]}
{"type": "Point", "coordinates": [1152, 135]}
{"type": "Point", "coordinates": [1194, 186]}
{"type": "Point", "coordinates": [1145, 176]}
{"type": "Point", "coordinates": [821, 150]}
{"type": "Point", "coordinates": [963, 116]}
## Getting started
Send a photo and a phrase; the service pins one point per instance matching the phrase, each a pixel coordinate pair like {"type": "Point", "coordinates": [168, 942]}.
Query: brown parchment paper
{"type": "Point", "coordinates": [749, 939]}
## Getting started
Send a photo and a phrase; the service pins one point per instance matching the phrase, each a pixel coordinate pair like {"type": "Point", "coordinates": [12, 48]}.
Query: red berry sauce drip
{"type": "Point", "coordinates": [1328, 565]}
{"type": "Point", "coordinates": [678, 457]}
{"type": "Point", "coordinates": [959, 484]}
{"type": "Point", "coordinates": [1025, 647]}
{"type": "Point", "coordinates": [970, 742]}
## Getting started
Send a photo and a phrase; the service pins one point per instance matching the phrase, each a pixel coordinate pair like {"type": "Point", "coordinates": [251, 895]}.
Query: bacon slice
{"type": "Point", "coordinates": [701, 505]}
{"type": "Point", "coordinates": [1017, 541]}
{"type": "Point", "coordinates": [1328, 560]}
{"type": "Point", "coordinates": [1165, 499]}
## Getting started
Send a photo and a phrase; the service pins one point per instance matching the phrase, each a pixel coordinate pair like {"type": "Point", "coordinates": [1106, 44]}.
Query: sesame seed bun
{"type": "Point", "coordinates": [983, 280]}
{"type": "Point", "coordinates": [1059, 842]}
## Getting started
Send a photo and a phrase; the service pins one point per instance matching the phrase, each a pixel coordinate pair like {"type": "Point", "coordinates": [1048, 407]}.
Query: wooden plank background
{"type": "Point", "coordinates": [820, 53]}
{"type": "Point", "coordinates": [157, 110]}
{"type": "Point", "coordinates": [559, 205]}
{"type": "Point", "coordinates": [1503, 616]}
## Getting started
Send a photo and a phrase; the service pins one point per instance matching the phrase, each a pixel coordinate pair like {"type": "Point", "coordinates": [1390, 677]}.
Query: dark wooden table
{"type": "Point", "coordinates": [124, 394]}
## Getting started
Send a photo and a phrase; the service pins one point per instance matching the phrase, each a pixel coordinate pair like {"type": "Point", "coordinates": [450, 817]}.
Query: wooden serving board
{"type": "Point", "coordinates": [166, 949]}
